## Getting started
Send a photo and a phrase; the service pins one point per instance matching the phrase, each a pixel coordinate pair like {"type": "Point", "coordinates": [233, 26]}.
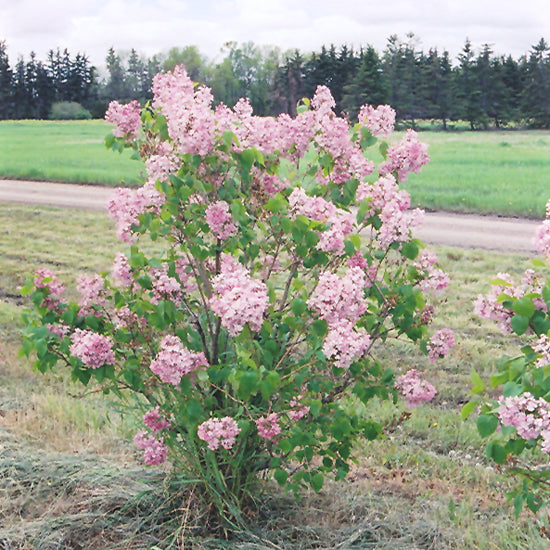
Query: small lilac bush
{"type": "Point", "coordinates": [518, 421]}
{"type": "Point", "coordinates": [285, 261]}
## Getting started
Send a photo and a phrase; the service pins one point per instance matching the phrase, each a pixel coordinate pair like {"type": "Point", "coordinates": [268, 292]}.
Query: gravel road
{"type": "Point", "coordinates": [500, 234]}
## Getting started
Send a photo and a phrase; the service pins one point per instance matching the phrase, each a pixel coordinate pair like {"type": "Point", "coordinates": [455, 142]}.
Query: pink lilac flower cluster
{"type": "Point", "coordinates": [298, 410]}
{"type": "Point", "coordinates": [60, 330]}
{"type": "Point", "coordinates": [436, 280]}
{"type": "Point", "coordinates": [344, 343]}
{"type": "Point", "coordinates": [530, 417]}
{"type": "Point", "coordinates": [409, 155]}
{"type": "Point", "coordinates": [336, 298]}
{"type": "Point", "coordinates": [541, 240]}
{"type": "Point", "coordinates": [239, 298]}
{"type": "Point", "coordinates": [155, 450]}
{"type": "Point", "coordinates": [94, 350]}
{"type": "Point", "coordinates": [379, 121]}
{"type": "Point", "coordinates": [126, 318]}
{"type": "Point", "coordinates": [219, 431]}
{"type": "Point", "coordinates": [392, 206]}
{"type": "Point", "coordinates": [414, 389]}
{"type": "Point", "coordinates": [189, 116]}
{"type": "Point", "coordinates": [156, 420]}
{"type": "Point", "coordinates": [44, 278]}
{"type": "Point", "coordinates": [268, 426]}
{"type": "Point", "coordinates": [125, 205]}
{"type": "Point", "coordinates": [314, 208]}
{"type": "Point", "coordinates": [220, 220]}
{"type": "Point", "coordinates": [162, 163]}
{"type": "Point", "coordinates": [542, 347]}
{"type": "Point", "coordinates": [90, 288]}
{"type": "Point", "coordinates": [489, 306]}
{"type": "Point", "coordinates": [125, 118]}
{"type": "Point", "coordinates": [164, 286]}
{"type": "Point", "coordinates": [341, 303]}
{"type": "Point", "coordinates": [174, 360]}
{"type": "Point", "coordinates": [121, 271]}
{"type": "Point", "coordinates": [440, 344]}
{"type": "Point", "coordinates": [185, 275]}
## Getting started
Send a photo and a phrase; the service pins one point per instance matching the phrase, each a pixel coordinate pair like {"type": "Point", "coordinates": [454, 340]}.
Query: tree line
{"type": "Point", "coordinates": [480, 87]}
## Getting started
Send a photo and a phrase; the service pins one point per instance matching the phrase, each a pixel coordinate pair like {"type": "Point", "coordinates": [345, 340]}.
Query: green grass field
{"type": "Point", "coordinates": [67, 475]}
{"type": "Point", "coordinates": [506, 172]}
{"type": "Point", "coordinates": [66, 151]}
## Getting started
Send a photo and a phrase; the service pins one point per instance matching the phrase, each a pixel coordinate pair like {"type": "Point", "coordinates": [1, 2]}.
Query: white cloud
{"type": "Point", "coordinates": [152, 26]}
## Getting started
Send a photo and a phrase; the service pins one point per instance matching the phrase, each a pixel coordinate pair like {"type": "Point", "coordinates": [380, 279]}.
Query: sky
{"type": "Point", "coordinates": [154, 26]}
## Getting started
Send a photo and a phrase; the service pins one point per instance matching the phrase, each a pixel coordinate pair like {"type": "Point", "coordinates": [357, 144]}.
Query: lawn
{"type": "Point", "coordinates": [68, 475]}
{"type": "Point", "coordinates": [66, 151]}
{"type": "Point", "coordinates": [505, 172]}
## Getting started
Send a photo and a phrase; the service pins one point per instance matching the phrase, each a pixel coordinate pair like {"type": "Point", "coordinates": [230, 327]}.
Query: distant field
{"type": "Point", "coordinates": [72, 151]}
{"type": "Point", "coordinates": [505, 172]}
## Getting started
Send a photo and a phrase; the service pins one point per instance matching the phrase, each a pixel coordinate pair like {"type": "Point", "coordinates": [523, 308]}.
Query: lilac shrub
{"type": "Point", "coordinates": [285, 261]}
{"type": "Point", "coordinates": [518, 421]}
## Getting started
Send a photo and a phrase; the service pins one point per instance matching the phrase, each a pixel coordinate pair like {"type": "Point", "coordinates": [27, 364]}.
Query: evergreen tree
{"type": "Point", "coordinates": [115, 87]}
{"type": "Point", "coordinates": [367, 85]}
{"type": "Point", "coordinates": [21, 97]}
{"type": "Point", "coordinates": [6, 81]}
{"type": "Point", "coordinates": [468, 91]}
{"type": "Point", "coordinates": [536, 92]}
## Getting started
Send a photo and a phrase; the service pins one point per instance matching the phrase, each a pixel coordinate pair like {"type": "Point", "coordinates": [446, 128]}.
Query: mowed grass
{"type": "Point", "coordinates": [498, 172]}
{"type": "Point", "coordinates": [63, 151]}
{"type": "Point", "coordinates": [69, 478]}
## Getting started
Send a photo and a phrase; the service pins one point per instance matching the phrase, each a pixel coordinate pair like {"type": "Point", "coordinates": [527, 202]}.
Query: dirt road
{"type": "Point", "coordinates": [466, 231]}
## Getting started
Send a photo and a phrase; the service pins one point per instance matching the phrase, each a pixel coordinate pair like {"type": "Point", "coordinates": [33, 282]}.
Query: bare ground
{"type": "Point", "coordinates": [507, 235]}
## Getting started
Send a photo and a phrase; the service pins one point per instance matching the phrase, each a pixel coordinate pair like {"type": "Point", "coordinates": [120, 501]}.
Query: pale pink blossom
{"type": "Point", "coordinates": [336, 298]}
{"type": "Point", "coordinates": [379, 121]}
{"type": "Point", "coordinates": [530, 417]}
{"type": "Point", "coordinates": [164, 286]}
{"type": "Point", "coordinates": [44, 278]}
{"type": "Point", "coordinates": [220, 220]}
{"type": "Point", "coordinates": [239, 299]}
{"type": "Point", "coordinates": [414, 389]}
{"type": "Point", "coordinates": [409, 155]}
{"type": "Point", "coordinates": [121, 271]}
{"type": "Point", "coordinates": [93, 349]}
{"type": "Point", "coordinates": [219, 431]}
{"type": "Point", "coordinates": [90, 288]}
{"type": "Point", "coordinates": [345, 343]}
{"type": "Point", "coordinates": [174, 360]}
{"type": "Point", "coordinates": [298, 410]}
{"type": "Point", "coordinates": [440, 344]}
{"type": "Point", "coordinates": [156, 420]}
{"type": "Point", "coordinates": [155, 450]}
{"type": "Point", "coordinates": [268, 426]}
{"type": "Point", "coordinates": [126, 119]}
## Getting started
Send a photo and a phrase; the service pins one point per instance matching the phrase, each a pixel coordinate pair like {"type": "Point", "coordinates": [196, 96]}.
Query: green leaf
{"type": "Point", "coordinates": [524, 307]}
{"type": "Point", "coordinates": [486, 425]}
{"type": "Point", "coordinates": [410, 250]}
{"type": "Point", "coordinates": [317, 481]}
{"type": "Point", "coordinates": [477, 382]}
{"type": "Point", "coordinates": [519, 324]}
{"type": "Point", "coordinates": [280, 476]}
{"type": "Point", "coordinates": [298, 306]}
{"type": "Point", "coordinates": [496, 452]}
{"type": "Point", "coordinates": [248, 384]}
{"type": "Point", "coordinates": [468, 409]}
